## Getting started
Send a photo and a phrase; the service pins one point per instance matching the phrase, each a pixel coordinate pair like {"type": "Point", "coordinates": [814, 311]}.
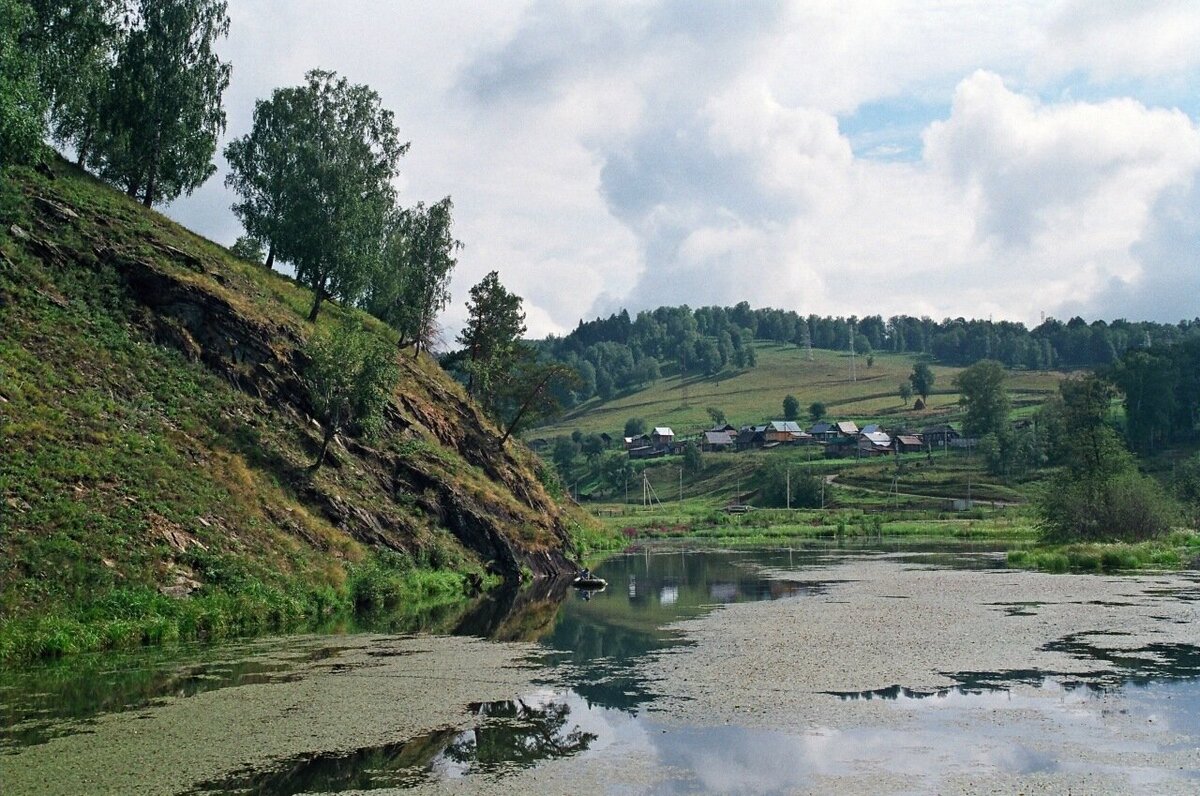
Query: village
{"type": "Point", "coordinates": [839, 439]}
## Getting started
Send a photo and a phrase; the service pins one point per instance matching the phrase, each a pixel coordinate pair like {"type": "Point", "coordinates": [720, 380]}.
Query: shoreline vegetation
{"type": "Point", "coordinates": [1015, 527]}
{"type": "Point", "coordinates": [382, 589]}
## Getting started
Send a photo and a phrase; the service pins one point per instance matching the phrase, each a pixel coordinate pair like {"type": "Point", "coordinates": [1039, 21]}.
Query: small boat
{"type": "Point", "coordinates": [590, 583]}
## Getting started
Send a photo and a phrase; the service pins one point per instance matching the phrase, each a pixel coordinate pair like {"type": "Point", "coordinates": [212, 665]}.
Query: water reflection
{"type": "Point", "coordinates": [505, 735]}
{"type": "Point", "coordinates": [598, 641]}
{"type": "Point", "coordinates": [595, 702]}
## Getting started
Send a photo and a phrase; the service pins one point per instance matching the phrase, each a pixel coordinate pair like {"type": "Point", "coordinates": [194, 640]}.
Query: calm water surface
{"type": "Point", "coordinates": [595, 703]}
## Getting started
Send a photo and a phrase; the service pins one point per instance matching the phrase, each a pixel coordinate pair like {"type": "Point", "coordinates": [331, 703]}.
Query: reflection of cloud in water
{"type": "Point", "coordinates": [734, 759]}
{"type": "Point", "coordinates": [723, 592]}
{"type": "Point", "coordinates": [950, 733]}
{"type": "Point", "coordinates": [668, 595]}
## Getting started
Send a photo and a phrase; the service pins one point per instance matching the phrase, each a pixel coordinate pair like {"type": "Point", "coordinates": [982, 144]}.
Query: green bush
{"type": "Point", "coordinates": [1127, 507]}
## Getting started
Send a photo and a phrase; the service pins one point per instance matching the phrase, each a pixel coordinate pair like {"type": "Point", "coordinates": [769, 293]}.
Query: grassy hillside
{"type": "Point", "coordinates": [155, 443]}
{"type": "Point", "coordinates": [756, 395]}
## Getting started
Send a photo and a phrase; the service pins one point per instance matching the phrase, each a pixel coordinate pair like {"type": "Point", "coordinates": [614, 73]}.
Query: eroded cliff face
{"type": "Point", "coordinates": [435, 468]}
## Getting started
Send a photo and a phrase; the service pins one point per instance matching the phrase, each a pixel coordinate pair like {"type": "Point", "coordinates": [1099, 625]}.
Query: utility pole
{"type": "Point", "coordinates": [789, 488]}
{"type": "Point", "coordinates": [683, 377]}
{"type": "Point", "coordinates": [680, 484]}
{"type": "Point", "coordinates": [853, 367]}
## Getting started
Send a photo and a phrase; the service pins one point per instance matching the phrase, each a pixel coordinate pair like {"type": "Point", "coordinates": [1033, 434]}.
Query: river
{"type": "Point", "coordinates": [893, 668]}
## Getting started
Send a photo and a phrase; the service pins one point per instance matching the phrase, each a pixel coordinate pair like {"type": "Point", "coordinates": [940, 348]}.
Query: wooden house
{"type": "Point", "coordinates": [874, 443]}
{"type": "Point", "coordinates": [847, 428]}
{"type": "Point", "coordinates": [751, 437]}
{"type": "Point", "coordinates": [716, 441]}
{"type": "Point", "coordinates": [823, 432]}
{"type": "Point", "coordinates": [940, 436]}
{"type": "Point", "coordinates": [662, 437]}
{"type": "Point", "coordinates": [781, 432]}
{"type": "Point", "coordinates": [908, 443]}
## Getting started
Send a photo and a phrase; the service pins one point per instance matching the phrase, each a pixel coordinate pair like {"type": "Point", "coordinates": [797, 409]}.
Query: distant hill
{"type": "Point", "coordinates": [756, 394]}
{"type": "Point", "coordinates": [621, 353]}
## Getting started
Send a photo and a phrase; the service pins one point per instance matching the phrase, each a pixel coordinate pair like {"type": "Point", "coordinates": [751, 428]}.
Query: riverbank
{"type": "Point", "coordinates": [1178, 550]}
{"type": "Point", "coordinates": [125, 619]}
{"type": "Point", "coordinates": [1013, 527]}
{"type": "Point", "coordinates": [770, 526]}
{"type": "Point", "coordinates": [860, 669]}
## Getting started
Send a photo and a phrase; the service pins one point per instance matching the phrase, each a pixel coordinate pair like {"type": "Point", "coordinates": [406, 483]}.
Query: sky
{"type": "Point", "coordinates": [1007, 160]}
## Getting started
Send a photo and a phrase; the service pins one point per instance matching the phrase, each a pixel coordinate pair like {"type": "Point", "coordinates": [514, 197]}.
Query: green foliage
{"type": "Point", "coordinates": [22, 103]}
{"type": "Point", "coordinates": [1185, 483]}
{"type": "Point", "coordinates": [1099, 495]}
{"type": "Point", "coordinates": [777, 482]}
{"type": "Point", "coordinates": [315, 178]}
{"type": "Point", "coordinates": [717, 416]}
{"type": "Point", "coordinates": [816, 410]}
{"type": "Point", "coordinates": [350, 377]}
{"type": "Point", "coordinates": [635, 427]}
{"type": "Point", "coordinates": [1161, 393]}
{"type": "Point", "coordinates": [984, 397]}
{"type": "Point", "coordinates": [412, 284]}
{"type": "Point", "coordinates": [922, 379]}
{"type": "Point", "coordinates": [791, 407]}
{"type": "Point", "coordinates": [77, 42]}
{"type": "Point", "coordinates": [1011, 452]}
{"type": "Point", "coordinates": [161, 114]}
{"type": "Point", "coordinates": [248, 249]}
{"type": "Point", "coordinates": [616, 471]}
{"type": "Point", "coordinates": [1169, 553]}
{"type": "Point", "coordinates": [692, 458]}
{"type": "Point", "coordinates": [528, 392]}
{"type": "Point", "coordinates": [1124, 506]}
{"type": "Point", "coordinates": [906, 392]}
{"type": "Point", "coordinates": [563, 456]}
{"type": "Point", "coordinates": [490, 338]}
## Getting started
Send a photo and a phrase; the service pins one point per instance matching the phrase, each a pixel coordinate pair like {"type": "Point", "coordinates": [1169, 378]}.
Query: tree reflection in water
{"type": "Point", "coordinates": [506, 734]}
{"type": "Point", "coordinates": [517, 733]}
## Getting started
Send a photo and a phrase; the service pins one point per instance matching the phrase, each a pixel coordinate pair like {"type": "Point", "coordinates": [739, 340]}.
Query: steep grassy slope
{"type": "Point", "coordinates": [155, 440]}
{"type": "Point", "coordinates": [756, 395]}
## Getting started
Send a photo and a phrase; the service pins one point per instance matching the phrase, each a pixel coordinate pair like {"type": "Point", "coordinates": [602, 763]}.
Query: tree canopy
{"type": "Point", "coordinates": [922, 380]}
{"type": "Point", "coordinates": [495, 324]}
{"type": "Point", "coordinates": [791, 407]}
{"type": "Point", "coordinates": [412, 284]}
{"type": "Point", "coordinates": [315, 177]}
{"type": "Point", "coordinates": [349, 376]}
{"type": "Point", "coordinates": [984, 398]}
{"type": "Point", "coordinates": [22, 102]}
{"type": "Point", "coordinates": [162, 113]}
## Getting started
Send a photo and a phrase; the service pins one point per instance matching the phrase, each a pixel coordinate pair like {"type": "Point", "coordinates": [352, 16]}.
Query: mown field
{"type": "Point", "coordinates": [756, 395]}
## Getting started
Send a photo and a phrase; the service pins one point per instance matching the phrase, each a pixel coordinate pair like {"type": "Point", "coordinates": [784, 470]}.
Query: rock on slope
{"type": "Point", "coordinates": [122, 326]}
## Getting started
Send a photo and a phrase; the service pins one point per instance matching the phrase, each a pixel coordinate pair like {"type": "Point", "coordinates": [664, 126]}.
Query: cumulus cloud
{"type": "Point", "coordinates": [638, 153]}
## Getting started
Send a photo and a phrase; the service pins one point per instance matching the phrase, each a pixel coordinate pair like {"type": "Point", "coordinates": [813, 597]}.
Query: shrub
{"type": "Point", "coordinates": [1127, 506]}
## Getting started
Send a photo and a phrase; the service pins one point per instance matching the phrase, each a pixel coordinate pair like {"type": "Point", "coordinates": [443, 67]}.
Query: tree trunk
{"type": "Point", "coordinates": [318, 297]}
{"type": "Point", "coordinates": [152, 176]}
{"type": "Point", "coordinates": [524, 408]}
{"type": "Point", "coordinates": [329, 435]}
{"type": "Point", "coordinates": [84, 145]}
{"type": "Point", "coordinates": [270, 263]}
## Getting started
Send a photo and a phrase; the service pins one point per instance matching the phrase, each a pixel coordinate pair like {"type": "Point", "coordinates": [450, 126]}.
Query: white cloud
{"type": "Point", "coordinates": [643, 153]}
{"type": "Point", "coordinates": [1115, 40]}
